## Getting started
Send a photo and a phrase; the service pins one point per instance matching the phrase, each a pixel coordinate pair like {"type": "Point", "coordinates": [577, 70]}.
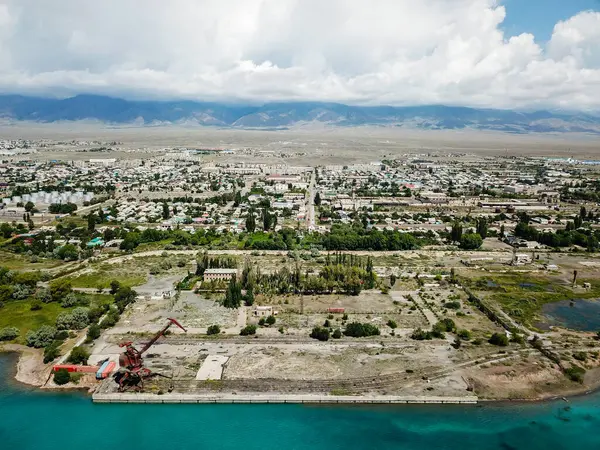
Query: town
{"type": "Point", "coordinates": [283, 273]}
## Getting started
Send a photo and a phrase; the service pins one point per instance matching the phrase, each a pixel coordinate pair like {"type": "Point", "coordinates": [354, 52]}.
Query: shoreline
{"type": "Point", "coordinates": [26, 357]}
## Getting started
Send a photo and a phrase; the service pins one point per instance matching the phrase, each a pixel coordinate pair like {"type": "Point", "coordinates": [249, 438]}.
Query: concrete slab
{"type": "Point", "coordinates": [212, 368]}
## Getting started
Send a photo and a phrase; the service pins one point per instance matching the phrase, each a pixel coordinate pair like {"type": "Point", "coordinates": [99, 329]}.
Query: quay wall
{"type": "Point", "coordinates": [281, 398]}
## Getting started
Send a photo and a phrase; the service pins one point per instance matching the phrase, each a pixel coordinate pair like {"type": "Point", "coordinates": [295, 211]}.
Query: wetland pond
{"type": "Point", "coordinates": [578, 315]}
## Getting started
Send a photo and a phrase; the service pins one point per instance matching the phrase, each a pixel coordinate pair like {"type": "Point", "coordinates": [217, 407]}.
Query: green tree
{"type": "Point", "coordinates": [68, 252]}
{"type": "Point", "coordinates": [248, 330]}
{"type": "Point", "coordinates": [79, 355]}
{"type": "Point", "coordinates": [91, 222]}
{"type": "Point", "coordinates": [456, 232]}
{"type": "Point", "coordinates": [271, 320]}
{"type": "Point", "coordinates": [250, 222]}
{"type": "Point", "coordinates": [59, 289]}
{"type": "Point", "coordinates": [213, 329]}
{"type": "Point", "coordinates": [370, 281]}
{"type": "Point", "coordinates": [320, 333]}
{"type": "Point", "coordinates": [318, 199]}
{"type": "Point", "coordinates": [165, 211]}
{"type": "Point", "coordinates": [482, 227]}
{"type": "Point", "coordinates": [124, 296]}
{"type": "Point", "coordinates": [238, 198]}
{"type": "Point", "coordinates": [357, 329]}
{"type": "Point", "coordinates": [93, 332]}
{"type": "Point", "coordinates": [52, 351]}
{"type": "Point", "coordinates": [114, 287]}
{"type": "Point", "coordinates": [9, 333]}
{"type": "Point", "coordinates": [249, 297]}
{"type": "Point", "coordinates": [29, 206]}
{"type": "Point", "coordinates": [470, 241]}
{"type": "Point", "coordinates": [61, 377]}
{"type": "Point", "coordinates": [41, 337]}
{"type": "Point", "coordinates": [233, 295]}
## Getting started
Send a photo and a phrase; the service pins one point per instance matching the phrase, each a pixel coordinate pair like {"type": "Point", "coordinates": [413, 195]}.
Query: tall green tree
{"type": "Point", "coordinates": [456, 232]}
{"type": "Point", "coordinates": [482, 227]}
{"type": "Point", "coordinates": [318, 199]}
{"type": "Point", "coordinates": [91, 222]}
{"type": "Point", "coordinates": [250, 222]}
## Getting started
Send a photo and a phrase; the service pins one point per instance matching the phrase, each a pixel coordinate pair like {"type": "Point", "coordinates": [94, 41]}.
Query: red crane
{"type": "Point", "coordinates": [132, 371]}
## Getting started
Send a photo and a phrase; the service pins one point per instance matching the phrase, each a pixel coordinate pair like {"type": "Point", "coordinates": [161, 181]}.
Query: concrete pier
{"type": "Point", "coordinates": [276, 398]}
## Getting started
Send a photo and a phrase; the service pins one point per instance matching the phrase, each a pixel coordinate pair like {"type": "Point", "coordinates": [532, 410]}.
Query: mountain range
{"type": "Point", "coordinates": [288, 114]}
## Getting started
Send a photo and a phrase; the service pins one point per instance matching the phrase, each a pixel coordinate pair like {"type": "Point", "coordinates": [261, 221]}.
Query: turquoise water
{"type": "Point", "coordinates": [31, 419]}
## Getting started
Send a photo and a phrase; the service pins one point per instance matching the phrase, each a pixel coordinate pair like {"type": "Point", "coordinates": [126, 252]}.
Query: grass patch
{"type": "Point", "coordinates": [103, 279]}
{"type": "Point", "coordinates": [18, 313]}
{"type": "Point", "coordinates": [13, 261]}
{"type": "Point", "coordinates": [523, 296]}
{"type": "Point", "coordinates": [150, 246]}
{"type": "Point", "coordinates": [340, 392]}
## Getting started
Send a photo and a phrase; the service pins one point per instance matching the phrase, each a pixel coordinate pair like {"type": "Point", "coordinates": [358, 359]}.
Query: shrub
{"type": "Point", "coordinates": [42, 337]}
{"type": "Point", "coordinates": [421, 335]}
{"type": "Point", "coordinates": [392, 324]}
{"type": "Point", "coordinates": [452, 305]}
{"type": "Point", "coordinates": [248, 330]}
{"type": "Point", "coordinates": [327, 324]}
{"type": "Point", "coordinates": [61, 377]}
{"type": "Point", "coordinates": [62, 335]}
{"type": "Point", "coordinates": [337, 334]}
{"type": "Point", "coordinates": [213, 329]}
{"type": "Point", "coordinates": [271, 320]}
{"type": "Point", "coordinates": [447, 325]}
{"type": "Point", "coordinates": [517, 338]}
{"type": "Point", "coordinates": [320, 333]}
{"type": "Point", "coordinates": [79, 355]}
{"type": "Point", "coordinates": [499, 339]}
{"type": "Point", "coordinates": [8, 333]}
{"type": "Point", "coordinates": [262, 322]}
{"type": "Point", "coordinates": [36, 305]}
{"type": "Point", "coordinates": [575, 373]}
{"type": "Point", "coordinates": [43, 295]}
{"type": "Point", "coordinates": [465, 335]}
{"type": "Point", "coordinates": [69, 301]}
{"type": "Point", "coordinates": [580, 356]}
{"type": "Point", "coordinates": [357, 329]}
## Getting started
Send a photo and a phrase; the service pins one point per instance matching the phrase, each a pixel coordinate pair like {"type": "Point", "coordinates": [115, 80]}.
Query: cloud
{"type": "Point", "coordinates": [399, 52]}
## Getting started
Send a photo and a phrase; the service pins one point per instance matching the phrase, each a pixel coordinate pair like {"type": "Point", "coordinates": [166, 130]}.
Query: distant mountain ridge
{"type": "Point", "coordinates": [288, 114]}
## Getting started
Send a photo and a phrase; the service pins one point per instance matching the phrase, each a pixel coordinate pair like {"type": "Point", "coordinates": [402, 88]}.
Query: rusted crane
{"type": "Point", "coordinates": [132, 372]}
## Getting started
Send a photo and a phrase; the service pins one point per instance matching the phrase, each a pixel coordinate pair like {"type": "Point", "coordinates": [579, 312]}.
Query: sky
{"type": "Point", "coordinates": [510, 54]}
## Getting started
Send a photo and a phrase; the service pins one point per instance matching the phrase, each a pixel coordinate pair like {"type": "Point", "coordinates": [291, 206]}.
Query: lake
{"type": "Point", "coordinates": [581, 315]}
{"type": "Point", "coordinates": [30, 419]}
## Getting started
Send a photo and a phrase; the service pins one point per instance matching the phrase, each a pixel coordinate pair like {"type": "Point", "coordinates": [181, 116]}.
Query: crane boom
{"type": "Point", "coordinates": [157, 336]}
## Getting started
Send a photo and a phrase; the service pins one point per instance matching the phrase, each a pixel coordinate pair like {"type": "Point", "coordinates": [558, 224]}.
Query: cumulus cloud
{"type": "Point", "coordinates": [399, 52]}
